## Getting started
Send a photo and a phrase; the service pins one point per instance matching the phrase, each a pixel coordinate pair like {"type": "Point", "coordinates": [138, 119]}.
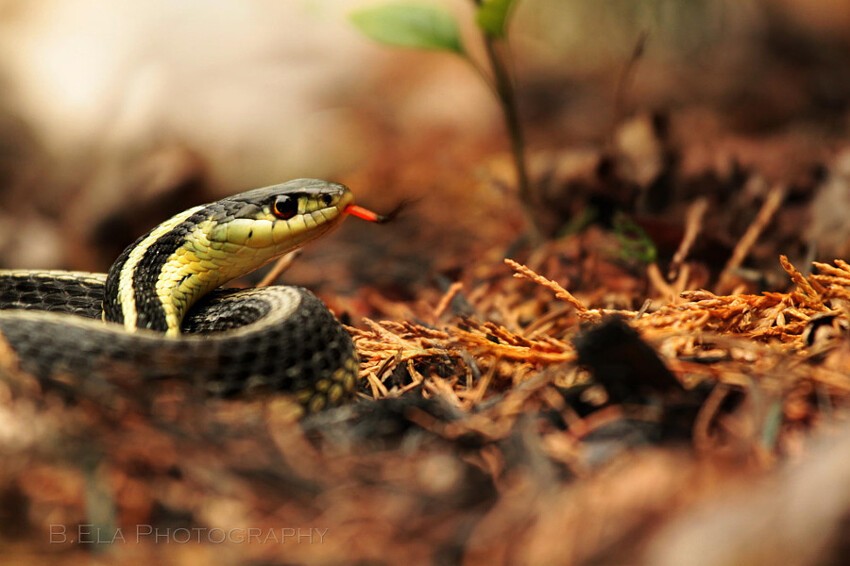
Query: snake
{"type": "Point", "coordinates": [160, 312]}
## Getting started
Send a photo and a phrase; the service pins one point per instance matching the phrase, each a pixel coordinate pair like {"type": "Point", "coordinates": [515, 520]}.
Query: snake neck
{"type": "Point", "coordinates": [137, 292]}
{"type": "Point", "coordinates": [157, 279]}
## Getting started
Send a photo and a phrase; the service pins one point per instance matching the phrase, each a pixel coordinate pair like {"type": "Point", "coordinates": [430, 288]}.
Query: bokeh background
{"type": "Point", "coordinates": [114, 115]}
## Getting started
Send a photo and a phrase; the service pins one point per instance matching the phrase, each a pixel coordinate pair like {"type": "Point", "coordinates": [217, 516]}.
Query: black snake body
{"type": "Point", "coordinates": [280, 338]}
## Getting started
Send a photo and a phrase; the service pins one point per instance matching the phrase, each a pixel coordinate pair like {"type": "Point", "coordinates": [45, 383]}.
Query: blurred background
{"type": "Point", "coordinates": [116, 114]}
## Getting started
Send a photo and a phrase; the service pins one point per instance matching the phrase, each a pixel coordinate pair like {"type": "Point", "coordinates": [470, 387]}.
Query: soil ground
{"type": "Point", "coordinates": [663, 380]}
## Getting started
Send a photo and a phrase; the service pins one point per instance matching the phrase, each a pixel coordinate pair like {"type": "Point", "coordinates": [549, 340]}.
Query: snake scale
{"type": "Point", "coordinates": [159, 312]}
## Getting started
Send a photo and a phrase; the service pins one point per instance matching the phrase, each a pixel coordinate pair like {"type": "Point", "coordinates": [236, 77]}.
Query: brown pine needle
{"type": "Point", "coordinates": [745, 244]}
{"type": "Point", "coordinates": [524, 272]}
{"type": "Point", "coordinates": [800, 281]}
{"type": "Point", "coordinates": [657, 280]}
{"type": "Point", "coordinates": [279, 267]}
{"type": "Point", "coordinates": [693, 226]}
{"type": "Point", "coordinates": [446, 299]}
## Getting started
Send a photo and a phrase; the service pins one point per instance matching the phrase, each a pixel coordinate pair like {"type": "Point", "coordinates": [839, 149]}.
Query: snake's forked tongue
{"type": "Point", "coordinates": [370, 216]}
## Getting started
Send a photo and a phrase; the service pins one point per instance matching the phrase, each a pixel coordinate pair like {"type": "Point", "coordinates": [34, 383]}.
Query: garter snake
{"type": "Point", "coordinates": [162, 316]}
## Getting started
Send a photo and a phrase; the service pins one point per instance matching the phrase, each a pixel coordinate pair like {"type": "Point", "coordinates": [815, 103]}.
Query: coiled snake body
{"type": "Point", "coordinates": [162, 316]}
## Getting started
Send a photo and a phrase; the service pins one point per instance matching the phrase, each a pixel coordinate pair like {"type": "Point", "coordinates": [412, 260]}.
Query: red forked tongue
{"type": "Point", "coordinates": [369, 216]}
{"type": "Point", "coordinates": [364, 213]}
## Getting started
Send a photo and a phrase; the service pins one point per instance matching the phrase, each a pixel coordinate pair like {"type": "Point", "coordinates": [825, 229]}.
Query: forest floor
{"type": "Point", "coordinates": [664, 380]}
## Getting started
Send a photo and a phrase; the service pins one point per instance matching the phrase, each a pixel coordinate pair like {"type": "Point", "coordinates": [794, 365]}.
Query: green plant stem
{"type": "Point", "coordinates": [506, 96]}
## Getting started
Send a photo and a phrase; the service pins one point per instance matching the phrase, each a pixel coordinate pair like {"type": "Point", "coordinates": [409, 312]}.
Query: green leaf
{"type": "Point", "coordinates": [635, 243]}
{"type": "Point", "coordinates": [492, 17]}
{"type": "Point", "coordinates": [403, 24]}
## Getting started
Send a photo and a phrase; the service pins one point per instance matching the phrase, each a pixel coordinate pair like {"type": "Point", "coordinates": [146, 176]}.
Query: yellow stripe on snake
{"type": "Point", "coordinates": [162, 315]}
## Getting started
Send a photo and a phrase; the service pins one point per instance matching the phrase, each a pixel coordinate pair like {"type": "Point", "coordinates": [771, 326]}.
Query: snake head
{"type": "Point", "coordinates": [157, 279]}
{"type": "Point", "coordinates": [281, 217]}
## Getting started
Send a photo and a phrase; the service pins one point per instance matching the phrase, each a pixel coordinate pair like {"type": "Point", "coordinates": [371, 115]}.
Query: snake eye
{"type": "Point", "coordinates": [285, 207]}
